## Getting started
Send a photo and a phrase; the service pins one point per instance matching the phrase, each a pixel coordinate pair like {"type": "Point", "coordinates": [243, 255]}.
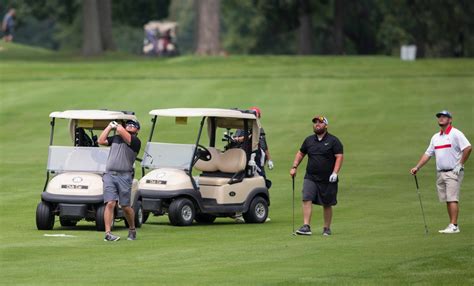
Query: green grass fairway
{"type": "Point", "coordinates": [382, 109]}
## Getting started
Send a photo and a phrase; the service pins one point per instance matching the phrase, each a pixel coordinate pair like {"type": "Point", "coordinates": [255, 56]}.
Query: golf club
{"type": "Point", "coordinates": [293, 181]}
{"type": "Point", "coordinates": [421, 205]}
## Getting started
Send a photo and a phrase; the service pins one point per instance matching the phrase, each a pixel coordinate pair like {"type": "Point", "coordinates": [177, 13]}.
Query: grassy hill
{"type": "Point", "coordinates": [382, 109]}
{"type": "Point", "coordinates": [19, 51]}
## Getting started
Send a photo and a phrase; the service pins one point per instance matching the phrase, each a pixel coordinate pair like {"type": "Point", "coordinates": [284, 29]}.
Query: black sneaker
{"type": "Point", "coordinates": [326, 231]}
{"type": "Point", "coordinates": [132, 234]}
{"type": "Point", "coordinates": [110, 237]}
{"type": "Point", "coordinates": [304, 230]}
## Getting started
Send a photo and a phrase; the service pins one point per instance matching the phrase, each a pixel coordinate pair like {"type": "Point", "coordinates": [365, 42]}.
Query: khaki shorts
{"type": "Point", "coordinates": [449, 185]}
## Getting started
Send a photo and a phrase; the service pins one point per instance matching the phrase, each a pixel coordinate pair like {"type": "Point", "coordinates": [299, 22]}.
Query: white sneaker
{"type": "Point", "coordinates": [450, 229]}
{"type": "Point", "coordinates": [239, 218]}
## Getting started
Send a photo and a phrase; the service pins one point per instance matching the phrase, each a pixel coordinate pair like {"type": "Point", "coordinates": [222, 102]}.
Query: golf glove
{"type": "Point", "coordinates": [270, 164]}
{"type": "Point", "coordinates": [113, 124]}
{"type": "Point", "coordinates": [333, 178]}
{"type": "Point", "coordinates": [458, 169]}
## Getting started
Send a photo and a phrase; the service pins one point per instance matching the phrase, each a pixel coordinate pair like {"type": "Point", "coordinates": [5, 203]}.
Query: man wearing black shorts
{"type": "Point", "coordinates": [325, 156]}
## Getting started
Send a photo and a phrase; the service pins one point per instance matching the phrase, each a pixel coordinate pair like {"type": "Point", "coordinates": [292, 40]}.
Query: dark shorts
{"type": "Point", "coordinates": [8, 32]}
{"type": "Point", "coordinates": [118, 187]}
{"type": "Point", "coordinates": [323, 194]}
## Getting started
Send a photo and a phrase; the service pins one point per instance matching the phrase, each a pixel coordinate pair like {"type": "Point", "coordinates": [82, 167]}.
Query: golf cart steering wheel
{"type": "Point", "coordinates": [203, 153]}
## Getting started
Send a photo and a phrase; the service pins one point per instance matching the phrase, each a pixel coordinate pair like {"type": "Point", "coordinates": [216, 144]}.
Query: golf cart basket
{"type": "Point", "coordinates": [160, 39]}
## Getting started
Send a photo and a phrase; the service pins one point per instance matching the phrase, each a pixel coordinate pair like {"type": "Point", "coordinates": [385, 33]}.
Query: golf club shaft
{"type": "Point", "coordinates": [293, 183]}
{"type": "Point", "coordinates": [421, 204]}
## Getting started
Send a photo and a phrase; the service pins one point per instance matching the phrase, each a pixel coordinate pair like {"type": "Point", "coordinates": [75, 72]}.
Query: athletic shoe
{"type": "Point", "coordinates": [110, 237]}
{"type": "Point", "coordinates": [450, 229]}
{"type": "Point", "coordinates": [238, 218]}
{"type": "Point", "coordinates": [304, 230]}
{"type": "Point", "coordinates": [268, 219]}
{"type": "Point", "coordinates": [326, 231]}
{"type": "Point", "coordinates": [132, 234]}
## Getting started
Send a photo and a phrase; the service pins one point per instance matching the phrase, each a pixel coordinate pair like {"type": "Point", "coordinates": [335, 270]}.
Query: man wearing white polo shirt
{"type": "Point", "coordinates": [451, 149]}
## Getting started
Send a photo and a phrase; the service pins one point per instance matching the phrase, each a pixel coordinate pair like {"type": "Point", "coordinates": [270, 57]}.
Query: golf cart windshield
{"type": "Point", "coordinates": [168, 155]}
{"type": "Point", "coordinates": [77, 159]}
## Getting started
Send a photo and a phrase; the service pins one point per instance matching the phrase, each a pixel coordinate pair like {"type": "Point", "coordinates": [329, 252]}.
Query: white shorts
{"type": "Point", "coordinates": [449, 186]}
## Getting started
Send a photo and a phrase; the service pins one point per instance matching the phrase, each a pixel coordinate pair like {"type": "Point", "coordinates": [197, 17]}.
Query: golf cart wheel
{"type": "Point", "coordinates": [146, 215]}
{"type": "Point", "coordinates": [137, 208]}
{"type": "Point", "coordinates": [67, 222]}
{"type": "Point", "coordinates": [181, 212]}
{"type": "Point", "coordinates": [258, 211]}
{"type": "Point", "coordinates": [44, 216]}
{"type": "Point", "coordinates": [99, 218]}
{"type": "Point", "coordinates": [205, 218]}
{"type": "Point", "coordinates": [138, 211]}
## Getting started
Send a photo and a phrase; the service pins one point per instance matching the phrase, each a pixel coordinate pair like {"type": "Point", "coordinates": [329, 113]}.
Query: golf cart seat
{"type": "Point", "coordinates": [224, 167]}
{"type": "Point", "coordinates": [211, 165]}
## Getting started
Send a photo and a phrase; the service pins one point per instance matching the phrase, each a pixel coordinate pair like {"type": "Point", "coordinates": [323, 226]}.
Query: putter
{"type": "Point", "coordinates": [293, 181]}
{"type": "Point", "coordinates": [421, 205]}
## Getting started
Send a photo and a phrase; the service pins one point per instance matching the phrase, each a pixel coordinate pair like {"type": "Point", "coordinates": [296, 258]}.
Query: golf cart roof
{"type": "Point", "coordinates": [162, 26]}
{"type": "Point", "coordinates": [201, 112]}
{"type": "Point", "coordinates": [92, 115]}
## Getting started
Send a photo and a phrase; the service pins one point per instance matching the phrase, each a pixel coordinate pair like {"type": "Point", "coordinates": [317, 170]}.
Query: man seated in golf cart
{"type": "Point", "coordinates": [262, 155]}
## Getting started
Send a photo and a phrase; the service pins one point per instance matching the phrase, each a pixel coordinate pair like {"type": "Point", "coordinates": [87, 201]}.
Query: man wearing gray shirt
{"type": "Point", "coordinates": [118, 177]}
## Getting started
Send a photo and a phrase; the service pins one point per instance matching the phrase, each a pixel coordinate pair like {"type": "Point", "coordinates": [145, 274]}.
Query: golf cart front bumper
{"type": "Point", "coordinates": [152, 200]}
{"type": "Point", "coordinates": [54, 198]}
{"type": "Point", "coordinates": [72, 207]}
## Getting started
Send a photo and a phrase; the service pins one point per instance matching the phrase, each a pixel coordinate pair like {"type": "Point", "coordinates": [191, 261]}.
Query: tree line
{"type": "Point", "coordinates": [439, 28]}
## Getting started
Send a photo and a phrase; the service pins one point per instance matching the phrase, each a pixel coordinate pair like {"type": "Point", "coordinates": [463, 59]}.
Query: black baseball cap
{"type": "Point", "coordinates": [445, 113]}
{"type": "Point", "coordinates": [136, 124]}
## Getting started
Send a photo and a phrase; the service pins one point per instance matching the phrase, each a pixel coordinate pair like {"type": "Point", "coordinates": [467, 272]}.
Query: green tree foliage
{"type": "Point", "coordinates": [47, 23]}
{"type": "Point", "coordinates": [259, 26]}
{"type": "Point", "coordinates": [57, 24]}
{"type": "Point", "coordinates": [439, 28]}
{"type": "Point", "coordinates": [184, 13]}
{"type": "Point", "coordinates": [136, 13]}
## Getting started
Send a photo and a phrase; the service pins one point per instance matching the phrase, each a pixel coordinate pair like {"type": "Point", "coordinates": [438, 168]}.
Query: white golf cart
{"type": "Point", "coordinates": [160, 39]}
{"type": "Point", "coordinates": [225, 181]}
{"type": "Point", "coordinates": [75, 189]}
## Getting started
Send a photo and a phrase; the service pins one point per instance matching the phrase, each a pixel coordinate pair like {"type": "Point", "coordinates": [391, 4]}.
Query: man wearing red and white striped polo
{"type": "Point", "coordinates": [451, 149]}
